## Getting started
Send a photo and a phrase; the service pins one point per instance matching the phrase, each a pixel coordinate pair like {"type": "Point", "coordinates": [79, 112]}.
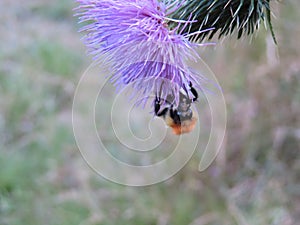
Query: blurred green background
{"type": "Point", "coordinates": [44, 179]}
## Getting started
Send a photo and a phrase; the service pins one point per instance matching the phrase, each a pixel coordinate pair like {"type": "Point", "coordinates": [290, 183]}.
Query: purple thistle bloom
{"type": "Point", "coordinates": [133, 37]}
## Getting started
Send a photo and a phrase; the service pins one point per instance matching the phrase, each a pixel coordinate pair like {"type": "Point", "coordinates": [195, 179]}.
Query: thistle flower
{"type": "Point", "coordinates": [135, 39]}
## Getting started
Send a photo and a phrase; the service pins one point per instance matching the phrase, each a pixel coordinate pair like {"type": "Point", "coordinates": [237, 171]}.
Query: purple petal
{"type": "Point", "coordinates": [134, 38]}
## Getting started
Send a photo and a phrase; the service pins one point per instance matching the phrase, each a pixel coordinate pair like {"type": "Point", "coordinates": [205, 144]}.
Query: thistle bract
{"type": "Point", "coordinates": [133, 37]}
{"type": "Point", "coordinates": [243, 16]}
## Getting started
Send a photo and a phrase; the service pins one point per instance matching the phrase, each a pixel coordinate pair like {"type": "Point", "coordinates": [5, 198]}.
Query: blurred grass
{"type": "Point", "coordinates": [54, 58]}
{"type": "Point", "coordinates": [57, 10]}
{"type": "Point", "coordinates": [44, 180]}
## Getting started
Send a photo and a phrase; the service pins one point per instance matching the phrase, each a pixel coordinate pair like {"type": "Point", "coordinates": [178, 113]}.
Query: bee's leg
{"type": "Point", "coordinates": [174, 115]}
{"type": "Point", "coordinates": [157, 105]}
{"type": "Point", "coordinates": [163, 112]}
{"type": "Point", "coordinates": [194, 92]}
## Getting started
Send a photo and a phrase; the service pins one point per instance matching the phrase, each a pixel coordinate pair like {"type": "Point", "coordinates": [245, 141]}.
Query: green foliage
{"type": "Point", "coordinates": [58, 10]}
{"type": "Point", "coordinates": [55, 58]}
{"type": "Point", "coordinates": [70, 213]}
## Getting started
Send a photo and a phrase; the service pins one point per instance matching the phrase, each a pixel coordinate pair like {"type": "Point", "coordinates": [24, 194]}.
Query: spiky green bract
{"type": "Point", "coordinates": [225, 16]}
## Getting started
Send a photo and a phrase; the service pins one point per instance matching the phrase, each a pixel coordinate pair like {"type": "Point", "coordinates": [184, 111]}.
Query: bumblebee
{"type": "Point", "coordinates": [181, 119]}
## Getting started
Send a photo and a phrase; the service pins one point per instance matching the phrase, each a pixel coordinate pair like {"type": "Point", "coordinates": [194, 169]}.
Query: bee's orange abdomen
{"type": "Point", "coordinates": [185, 127]}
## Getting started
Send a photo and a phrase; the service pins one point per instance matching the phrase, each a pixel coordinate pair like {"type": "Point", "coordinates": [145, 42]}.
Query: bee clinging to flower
{"type": "Point", "coordinates": [181, 119]}
{"type": "Point", "coordinates": [134, 39]}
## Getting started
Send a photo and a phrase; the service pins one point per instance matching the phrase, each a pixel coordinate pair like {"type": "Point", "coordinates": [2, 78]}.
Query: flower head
{"type": "Point", "coordinates": [134, 38]}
